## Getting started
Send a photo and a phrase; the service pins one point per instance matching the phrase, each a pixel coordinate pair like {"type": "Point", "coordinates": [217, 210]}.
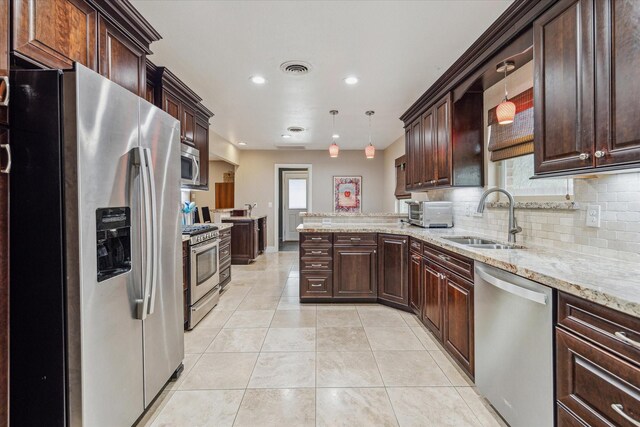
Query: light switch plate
{"type": "Point", "coordinates": [270, 204]}
{"type": "Point", "coordinates": [593, 216]}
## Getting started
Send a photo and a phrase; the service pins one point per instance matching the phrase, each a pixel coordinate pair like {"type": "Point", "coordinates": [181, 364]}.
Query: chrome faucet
{"type": "Point", "coordinates": [250, 207]}
{"type": "Point", "coordinates": [513, 224]}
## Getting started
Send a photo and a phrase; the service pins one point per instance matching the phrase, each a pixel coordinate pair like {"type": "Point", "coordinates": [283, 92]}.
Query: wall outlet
{"type": "Point", "coordinates": [270, 204]}
{"type": "Point", "coordinates": [593, 216]}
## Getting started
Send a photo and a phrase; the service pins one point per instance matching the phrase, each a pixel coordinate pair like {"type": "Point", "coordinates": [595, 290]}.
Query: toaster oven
{"type": "Point", "coordinates": [431, 214]}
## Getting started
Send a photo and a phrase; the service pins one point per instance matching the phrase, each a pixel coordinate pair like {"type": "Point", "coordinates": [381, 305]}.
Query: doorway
{"type": "Point", "coordinates": [294, 198]}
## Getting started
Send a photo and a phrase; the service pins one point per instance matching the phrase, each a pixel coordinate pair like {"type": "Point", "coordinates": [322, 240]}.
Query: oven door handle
{"type": "Point", "coordinates": [154, 230]}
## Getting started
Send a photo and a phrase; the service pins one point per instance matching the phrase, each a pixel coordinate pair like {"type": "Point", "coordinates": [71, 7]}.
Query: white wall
{"type": "Point", "coordinates": [220, 148]}
{"type": "Point", "coordinates": [391, 153]}
{"type": "Point", "coordinates": [255, 179]}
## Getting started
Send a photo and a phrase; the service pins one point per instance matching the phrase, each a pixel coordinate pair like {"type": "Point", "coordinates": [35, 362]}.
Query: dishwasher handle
{"type": "Point", "coordinates": [537, 297]}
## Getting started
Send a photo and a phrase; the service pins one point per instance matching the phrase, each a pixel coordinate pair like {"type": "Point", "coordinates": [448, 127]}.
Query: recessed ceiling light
{"type": "Point", "coordinates": [351, 80]}
{"type": "Point", "coordinates": [285, 136]}
{"type": "Point", "coordinates": [335, 136]}
{"type": "Point", "coordinates": [242, 143]}
{"type": "Point", "coordinates": [259, 80]}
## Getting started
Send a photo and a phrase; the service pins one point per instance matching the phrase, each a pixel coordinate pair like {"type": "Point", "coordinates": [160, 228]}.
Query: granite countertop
{"type": "Point", "coordinates": [610, 282]}
{"type": "Point", "coordinates": [351, 215]}
{"type": "Point", "coordinates": [243, 218]}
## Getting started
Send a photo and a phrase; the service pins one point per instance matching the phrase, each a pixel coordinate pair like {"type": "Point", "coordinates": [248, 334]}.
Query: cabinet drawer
{"type": "Point", "coordinates": [225, 274]}
{"type": "Point", "coordinates": [318, 284]}
{"type": "Point", "coordinates": [617, 332]}
{"type": "Point", "coordinates": [225, 251]}
{"type": "Point", "coordinates": [311, 239]}
{"type": "Point", "coordinates": [598, 387]}
{"type": "Point", "coordinates": [460, 265]}
{"type": "Point", "coordinates": [416, 246]}
{"type": "Point", "coordinates": [316, 264]}
{"type": "Point", "coordinates": [315, 252]}
{"type": "Point", "coordinates": [224, 263]}
{"type": "Point", "coordinates": [355, 239]}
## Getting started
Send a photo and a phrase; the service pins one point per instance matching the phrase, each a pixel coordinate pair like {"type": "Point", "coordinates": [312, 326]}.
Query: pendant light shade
{"type": "Point", "coordinates": [333, 148]}
{"type": "Point", "coordinates": [370, 150]}
{"type": "Point", "coordinates": [506, 110]}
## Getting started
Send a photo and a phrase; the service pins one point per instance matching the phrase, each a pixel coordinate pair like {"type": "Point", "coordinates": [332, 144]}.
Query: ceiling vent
{"type": "Point", "coordinates": [295, 68]}
{"type": "Point", "coordinates": [295, 129]}
{"type": "Point", "coordinates": [290, 147]}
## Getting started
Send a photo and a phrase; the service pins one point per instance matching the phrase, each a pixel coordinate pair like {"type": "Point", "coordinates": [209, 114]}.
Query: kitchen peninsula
{"type": "Point", "coordinates": [248, 237]}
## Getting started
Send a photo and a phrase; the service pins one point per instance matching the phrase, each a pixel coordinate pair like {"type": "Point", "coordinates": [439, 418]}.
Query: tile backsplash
{"type": "Point", "coordinates": [618, 236]}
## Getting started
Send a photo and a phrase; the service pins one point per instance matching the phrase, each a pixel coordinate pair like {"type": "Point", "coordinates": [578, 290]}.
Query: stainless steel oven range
{"type": "Point", "coordinates": [204, 270]}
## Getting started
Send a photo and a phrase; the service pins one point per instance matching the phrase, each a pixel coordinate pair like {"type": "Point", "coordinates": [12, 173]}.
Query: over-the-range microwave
{"type": "Point", "coordinates": [431, 214]}
{"type": "Point", "coordinates": [189, 165]}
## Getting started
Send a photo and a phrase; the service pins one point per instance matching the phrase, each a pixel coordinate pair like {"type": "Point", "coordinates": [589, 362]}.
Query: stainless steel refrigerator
{"type": "Point", "coordinates": [95, 258]}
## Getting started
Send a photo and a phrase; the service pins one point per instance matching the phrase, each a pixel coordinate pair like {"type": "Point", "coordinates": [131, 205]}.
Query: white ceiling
{"type": "Point", "coordinates": [396, 48]}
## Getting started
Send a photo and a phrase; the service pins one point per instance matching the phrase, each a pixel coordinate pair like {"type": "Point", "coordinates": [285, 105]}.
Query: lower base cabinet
{"type": "Point", "coordinates": [433, 293]}
{"type": "Point", "coordinates": [597, 365]}
{"type": "Point", "coordinates": [393, 269]}
{"type": "Point", "coordinates": [415, 283]}
{"type": "Point", "coordinates": [355, 272]}
{"type": "Point", "coordinates": [458, 337]}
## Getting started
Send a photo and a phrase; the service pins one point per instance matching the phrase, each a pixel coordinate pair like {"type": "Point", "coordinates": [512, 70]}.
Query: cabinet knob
{"type": "Point", "coordinates": [433, 181]}
{"type": "Point", "coordinates": [584, 156]}
{"type": "Point", "coordinates": [7, 168]}
{"type": "Point", "coordinates": [4, 88]}
{"type": "Point", "coordinates": [600, 154]}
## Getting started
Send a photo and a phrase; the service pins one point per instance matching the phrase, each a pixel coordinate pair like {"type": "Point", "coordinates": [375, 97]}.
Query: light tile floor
{"type": "Point", "coordinates": [261, 358]}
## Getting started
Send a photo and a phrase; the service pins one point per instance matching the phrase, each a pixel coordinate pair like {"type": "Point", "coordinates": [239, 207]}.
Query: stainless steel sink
{"type": "Point", "coordinates": [470, 240]}
{"type": "Point", "coordinates": [478, 242]}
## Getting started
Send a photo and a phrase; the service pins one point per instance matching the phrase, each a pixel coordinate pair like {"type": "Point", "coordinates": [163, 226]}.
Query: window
{"type": "Point", "coordinates": [514, 175]}
{"type": "Point", "coordinates": [297, 193]}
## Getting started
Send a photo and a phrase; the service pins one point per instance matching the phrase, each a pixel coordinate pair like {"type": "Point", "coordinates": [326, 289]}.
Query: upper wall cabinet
{"type": "Point", "coordinates": [108, 36]}
{"type": "Point", "coordinates": [586, 95]}
{"type": "Point", "coordinates": [173, 96]}
{"type": "Point", "coordinates": [444, 145]}
{"type": "Point", "coordinates": [55, 33]}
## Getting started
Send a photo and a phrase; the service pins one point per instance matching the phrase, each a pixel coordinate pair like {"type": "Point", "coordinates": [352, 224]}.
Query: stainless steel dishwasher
{"type": "Point", "coordinates": [514, 346]}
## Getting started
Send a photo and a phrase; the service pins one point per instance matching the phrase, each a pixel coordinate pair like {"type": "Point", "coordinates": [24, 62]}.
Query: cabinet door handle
{"type": "Point", "coordinates": [4, 80]}
{"type": "Point", "coordinates": [599, 154]}
{"type": "Point", "coordinates": [624, 338]}
{"type": "Point", "coordinates": [7, 148]}
{"type": "Point", "coordinates": [316, 285]}
{"type": "Point", "coordinates": [620, 410]}
{"type": "Point", "coordinates": [584, 156]}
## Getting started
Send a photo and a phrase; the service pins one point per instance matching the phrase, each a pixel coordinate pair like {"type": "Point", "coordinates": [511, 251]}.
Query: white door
{"type": "Point", "coordinates": [295, 199]}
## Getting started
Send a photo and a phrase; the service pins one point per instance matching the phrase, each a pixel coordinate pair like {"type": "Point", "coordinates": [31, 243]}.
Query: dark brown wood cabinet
{"type": "Point", "coordinates": [415, 283]}
{"type": "Point", "coordinates": [355, 272]}
{"type": "Point", "coordinates": [617, 53]}
{"type": "Point", "coordinates": [56, 33]}
{"type": "Point", "coordinates": [401, 178]}
{"type": "Point", "coordinates": [433, 283]}
{"type": "Point", "coordinates": [563, 87]}
{"type": "Point", "coordinates": [173, 96]}
{"type": "Point", "coordinates": [262, 234]}
{"type": "Point", "coordinates": [244, 239]}
{"type": "Point", "coordinates": [585, 95]}
{"type": "Point", "coordinates": [393, 268]}
{"type": "Point", "coordinates": [121, 61]}
{"type": "Point", "coordinates": [458, 337]}
{"type": "Point", "coordinates": [201, 142]}
{"type": "Point", "coordinates": [316, 251]}
{"type": "Point", "coordinates": [444, 145]}
{"type": "Point", "coordinates": [597, 364]}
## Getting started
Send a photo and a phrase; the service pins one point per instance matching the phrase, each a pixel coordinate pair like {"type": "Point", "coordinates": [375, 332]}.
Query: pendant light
{"type": "Point", "coordinates": [333, 148]}
{"type": "Point", "coordinates": [370, 151]}
{"type": "Point", "coordinates": [506, 110]}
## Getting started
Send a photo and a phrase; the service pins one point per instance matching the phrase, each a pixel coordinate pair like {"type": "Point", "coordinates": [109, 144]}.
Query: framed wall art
{"type": "Point", "coordinates": [347, 193]}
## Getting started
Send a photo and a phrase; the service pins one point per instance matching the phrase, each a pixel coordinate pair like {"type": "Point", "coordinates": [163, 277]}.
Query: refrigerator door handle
{"type": "Point", "coordinates": [142, 305]}
{"type": "Point", "coordinates": [154, 232]}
